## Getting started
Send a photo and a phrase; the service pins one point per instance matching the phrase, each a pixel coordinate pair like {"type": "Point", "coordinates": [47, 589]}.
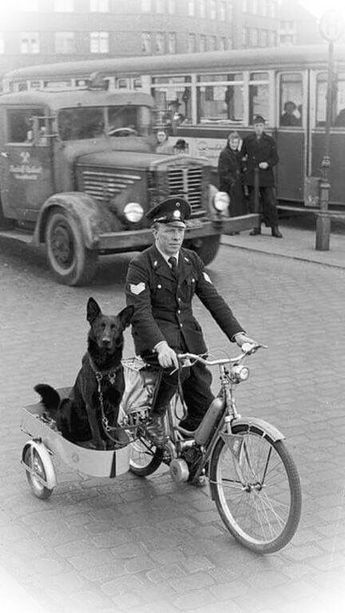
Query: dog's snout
{"type": "Point", "coordinates": [106, 341]}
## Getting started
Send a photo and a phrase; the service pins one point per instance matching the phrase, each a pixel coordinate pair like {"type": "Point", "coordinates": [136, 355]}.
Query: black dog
{"type": "Point", "coordinates": [92, 408]}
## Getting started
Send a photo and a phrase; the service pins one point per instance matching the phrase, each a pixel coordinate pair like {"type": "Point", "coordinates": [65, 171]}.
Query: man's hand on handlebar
{"type": "Point", "coordinates": [241, 338]}
{"type": "Point", "coordinates": [167, 357]}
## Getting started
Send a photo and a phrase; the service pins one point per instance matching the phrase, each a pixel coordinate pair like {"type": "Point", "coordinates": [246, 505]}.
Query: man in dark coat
{"type": "Point", "coordinates": [161, 283]}
{"type": "Point", "coordinates": [260, 155]}
{"type": "Point", "coordinates": [230, 175]}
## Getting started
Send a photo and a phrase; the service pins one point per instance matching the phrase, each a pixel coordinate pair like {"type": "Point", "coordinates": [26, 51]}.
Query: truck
{"type": "Point", "coordinates": [78, 172]}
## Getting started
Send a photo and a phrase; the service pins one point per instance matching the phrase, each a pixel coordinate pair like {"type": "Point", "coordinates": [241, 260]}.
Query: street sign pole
{"type": "Point", "coordinates": [331, 28]}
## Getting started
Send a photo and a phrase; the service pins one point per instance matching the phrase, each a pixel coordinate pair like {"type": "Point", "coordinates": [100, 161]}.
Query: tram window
{"type": "Point", "coordinates": [173, 99]}
{"type": "Point", "coordinates": [338, 106]}
{"type": "Point", "coordinates": [258, 95]}
{"type": "Point", "coordinates": [291, 99]}
{"type": "Point", "coordinates": [220, 98]}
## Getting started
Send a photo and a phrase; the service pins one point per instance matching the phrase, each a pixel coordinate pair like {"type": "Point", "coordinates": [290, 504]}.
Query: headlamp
{"type": "Point", "coordinates": [133, 212]}
{"type": "Point", "coordinates": [221, 201]}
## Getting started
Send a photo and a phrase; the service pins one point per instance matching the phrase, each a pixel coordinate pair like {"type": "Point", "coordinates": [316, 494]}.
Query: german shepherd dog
{"type": "Point", "coordinates": [92, 408]}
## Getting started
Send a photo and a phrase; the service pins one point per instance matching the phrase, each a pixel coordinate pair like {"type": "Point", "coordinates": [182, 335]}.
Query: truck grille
{"type": "Point", "coordinates": [187, 181]}
{"type": "Point", "coordinates": [105, 185]}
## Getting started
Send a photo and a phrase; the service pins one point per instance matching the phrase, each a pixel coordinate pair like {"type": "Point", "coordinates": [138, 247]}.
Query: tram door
{"type": "Point", "coordinates": [292, 138]}
{"type": "Point", "coordinates": [336, 171]}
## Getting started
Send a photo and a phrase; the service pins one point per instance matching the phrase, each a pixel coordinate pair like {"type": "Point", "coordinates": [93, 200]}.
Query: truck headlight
{"type": "Point", "coordinates": [221, 201]}
{"type": "Point", "coordinates": [133, 212]}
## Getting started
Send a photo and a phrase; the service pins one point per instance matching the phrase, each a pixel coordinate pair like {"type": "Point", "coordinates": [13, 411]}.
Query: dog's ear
{"type": "Point", "coordinates": [92, 310]}
{"type": "Point", "coordinates": [125, 316]}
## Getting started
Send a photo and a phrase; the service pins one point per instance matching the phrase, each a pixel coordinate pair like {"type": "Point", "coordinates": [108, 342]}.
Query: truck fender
{"type": "Point", "coordinates": [45, 458]}
{"type": "Point", "coordinates": [92, 216]}
{"type": "Point", "coordinates": [255, 424]}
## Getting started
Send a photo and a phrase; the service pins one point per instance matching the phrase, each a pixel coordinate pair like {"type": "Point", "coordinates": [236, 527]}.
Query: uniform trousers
{"type": "Point", "coordinates": [196, 387]}
{"type": "Point", "coordinates": [268, 208]}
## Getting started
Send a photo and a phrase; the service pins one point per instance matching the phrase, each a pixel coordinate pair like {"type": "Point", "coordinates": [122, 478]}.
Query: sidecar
{"type": "Point", "coordinates": [45, 441]}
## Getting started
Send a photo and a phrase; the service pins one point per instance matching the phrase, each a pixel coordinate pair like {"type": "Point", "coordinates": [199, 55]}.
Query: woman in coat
{"type": "Point", "coordinates": [230, 175]}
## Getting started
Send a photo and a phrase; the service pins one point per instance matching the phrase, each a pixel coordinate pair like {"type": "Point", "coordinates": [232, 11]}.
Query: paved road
{"type": "Point", "coordinates": [147, 546]}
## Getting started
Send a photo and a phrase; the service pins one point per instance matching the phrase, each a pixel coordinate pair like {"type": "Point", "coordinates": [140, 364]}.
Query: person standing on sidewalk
{"type": "Point", "coordinates": [259, 153]}
{"type": "Point", "coordinates": [230, 175]}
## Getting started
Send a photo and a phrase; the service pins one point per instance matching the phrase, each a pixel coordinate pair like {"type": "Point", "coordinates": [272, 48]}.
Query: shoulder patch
{"type": "Point", "coordinates": [138, 288]}
{"type": "Point", "coordinates": [206, 277]}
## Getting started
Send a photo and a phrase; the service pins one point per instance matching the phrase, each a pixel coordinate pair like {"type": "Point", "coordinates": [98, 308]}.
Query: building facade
{"type": "Point", "coordinates": [41, 31]}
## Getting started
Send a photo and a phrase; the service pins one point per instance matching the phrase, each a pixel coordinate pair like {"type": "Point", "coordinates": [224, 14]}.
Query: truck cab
{"type": "Point", "coordinates": [78, 172]}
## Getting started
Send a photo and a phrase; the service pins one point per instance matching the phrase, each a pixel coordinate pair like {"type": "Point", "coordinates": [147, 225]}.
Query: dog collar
{"type": "Point", "coordinates": [100, 374]}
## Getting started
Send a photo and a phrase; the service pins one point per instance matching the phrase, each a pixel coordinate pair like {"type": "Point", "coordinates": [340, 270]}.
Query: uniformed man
{"type": "Point", "coordinates": [259, 152]}
{"type": "Point", "coordinates": [161, 283]}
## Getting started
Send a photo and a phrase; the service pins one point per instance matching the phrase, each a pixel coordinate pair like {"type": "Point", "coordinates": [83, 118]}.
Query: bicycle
{"type": "Point", "coordinates": [253, 479]}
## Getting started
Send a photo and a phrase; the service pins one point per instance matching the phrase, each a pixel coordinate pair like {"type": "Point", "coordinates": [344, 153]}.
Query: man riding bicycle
{"type": "Point", "coordinates": [161, 283]}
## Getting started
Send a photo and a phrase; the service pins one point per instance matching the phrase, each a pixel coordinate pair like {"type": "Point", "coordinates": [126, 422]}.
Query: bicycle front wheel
{"type": "Point", "coordinates": [256, 488]}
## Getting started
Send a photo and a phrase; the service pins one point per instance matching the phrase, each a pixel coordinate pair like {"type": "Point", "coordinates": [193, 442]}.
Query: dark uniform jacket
{"type": "Point", "coordinates": [163, 305]}
{"type": "Point", "coordinates": [259, 150]}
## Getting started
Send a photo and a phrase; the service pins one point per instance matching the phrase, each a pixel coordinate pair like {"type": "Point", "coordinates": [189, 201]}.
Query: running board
{"type": "Point", "coordinates": [18, 235]}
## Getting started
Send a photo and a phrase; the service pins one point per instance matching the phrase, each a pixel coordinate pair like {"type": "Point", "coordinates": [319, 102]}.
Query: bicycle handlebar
{"type": "Point", "coordinates": [246, 349]}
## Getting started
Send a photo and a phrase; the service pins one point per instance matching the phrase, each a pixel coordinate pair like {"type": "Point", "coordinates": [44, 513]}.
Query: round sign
{"type": "Point", "coordinates": [331, 25]}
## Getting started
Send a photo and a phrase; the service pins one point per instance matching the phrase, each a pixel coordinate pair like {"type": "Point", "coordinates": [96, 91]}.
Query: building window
{"type": "Point", "coordinates": [172, 7]}
{"type": "Point", "coordinates": [255, 7]}
{"type": "Point", "coordinates": [146, 6]}
{"type": "Point", "coordinates": [222, 11]}
{"type": "Point", "coordinates": [99, 6]}
{"type": "Point", "coordinates": [99, 42]}
{"type": "Point", "coordinates": [172, 42]}
{"type": "Point", "coordinates": [254, 37]}
{"type": "Point", "coordinates": [146, 46]}
{"type": "Point", "coordinates": [2, 43]}
{"type": "Point", "coordinates": [160, 6]}
{"type": "Point", "coordinates": [191, 43]}
{"type": "Point", "coordinates": [213, 9]}
{"type": "Point", "coordinates": [229, 43]}
{"type": "Point", "coordinates": [213, 43]}
{"type": "Point", "coordinates": [64, 42]}
{"type": "Point", "coordinates": [191, 8]}
{"type": "Point", "coordinates": [29, 42]}
{"type": "Point", "coordinates": [160, 40]}
{"type": "Point", "coordinates": [202, 8]}
{"type": "Point", "coordinates": [203, 43]}
{"type": "Point", "coordinates": [222, 43]}
{"type": "Point", "coordinates": [64, 6]}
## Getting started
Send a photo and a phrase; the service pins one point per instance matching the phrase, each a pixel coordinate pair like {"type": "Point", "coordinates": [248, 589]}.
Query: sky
{"type": "Point", "coordinates": [318, 7]}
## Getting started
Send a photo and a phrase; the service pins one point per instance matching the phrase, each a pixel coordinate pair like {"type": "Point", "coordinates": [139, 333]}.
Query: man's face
{"type": "Point", "coordinates": [259, 128]}
{"type": "Point", "coordinates": [169, 237]}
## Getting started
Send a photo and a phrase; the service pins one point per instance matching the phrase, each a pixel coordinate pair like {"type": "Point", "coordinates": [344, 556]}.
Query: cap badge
{"type": "Point", "coordinates": [178, 204]}
{"type": "Point", "coordinates": [177, 214]}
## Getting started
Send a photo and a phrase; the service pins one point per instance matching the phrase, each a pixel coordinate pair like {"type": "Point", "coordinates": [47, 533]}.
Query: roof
{"type": "Point", "coordinates": [182, 63]}
{"type": "Point", "coordinates": [72, 98]}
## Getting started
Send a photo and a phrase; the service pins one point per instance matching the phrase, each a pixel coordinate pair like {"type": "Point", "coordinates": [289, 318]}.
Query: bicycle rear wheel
{"type": "Point", "coordinates": [256, 487]}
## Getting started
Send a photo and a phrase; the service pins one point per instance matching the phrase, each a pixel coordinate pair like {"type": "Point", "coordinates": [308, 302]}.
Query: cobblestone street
{"type": "Point", "coordinates": [146, 546]}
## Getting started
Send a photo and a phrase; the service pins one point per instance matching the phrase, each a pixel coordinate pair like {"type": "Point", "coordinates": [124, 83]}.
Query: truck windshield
{"type": "Point", "coordinates": [114, 121]}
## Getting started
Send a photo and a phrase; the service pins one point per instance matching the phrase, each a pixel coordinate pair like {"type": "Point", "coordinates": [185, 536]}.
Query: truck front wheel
{"type": "Point", "coordinates": [206, 248]}
{"type": "Point", "coordinates": [71, 262]}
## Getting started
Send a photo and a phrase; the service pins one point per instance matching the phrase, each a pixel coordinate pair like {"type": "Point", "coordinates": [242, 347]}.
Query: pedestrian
{"type": "Point", "coordinates": [230, 175]}
{"type": "Point", "coordinates": [181, 146]}
{"type": "Point", "coordinates": [259, 153]}
{"type": "Point", "coordinates": [161, 283]}
{"type": "Point", "coordinates": [163, 145]}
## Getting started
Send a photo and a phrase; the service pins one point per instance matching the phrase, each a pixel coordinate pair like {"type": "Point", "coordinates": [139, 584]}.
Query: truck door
{"type": "Point", "coordinates": [25, 163]}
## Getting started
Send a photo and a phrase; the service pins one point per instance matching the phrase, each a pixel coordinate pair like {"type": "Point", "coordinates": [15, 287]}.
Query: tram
{"type": "Point", "coordinates": [201, 97]}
